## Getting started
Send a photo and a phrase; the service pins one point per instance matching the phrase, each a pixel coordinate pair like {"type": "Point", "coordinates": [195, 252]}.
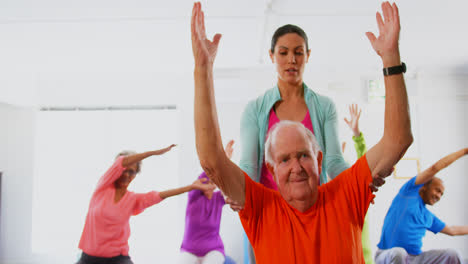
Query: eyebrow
{"type": "Point", "coordinates": [301, 151]}
{"type": "Point", "coordinates": [283, 47]}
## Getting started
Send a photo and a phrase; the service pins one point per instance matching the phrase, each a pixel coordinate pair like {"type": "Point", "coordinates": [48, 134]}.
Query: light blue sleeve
{"type": "Point", "coordinates": [249, 140]}
{"type": "Point", "coordinates": [335, 161]}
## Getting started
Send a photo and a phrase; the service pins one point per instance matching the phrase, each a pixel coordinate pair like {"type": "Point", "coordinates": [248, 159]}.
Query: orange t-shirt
{"type": "Point", "coordinates": [329, 232]}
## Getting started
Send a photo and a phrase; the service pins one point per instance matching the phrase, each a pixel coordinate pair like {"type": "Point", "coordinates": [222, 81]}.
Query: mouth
{"type": "Point", "coordinates": [298, 180]}
{"type": "Point", "coordinates": [291, 71]}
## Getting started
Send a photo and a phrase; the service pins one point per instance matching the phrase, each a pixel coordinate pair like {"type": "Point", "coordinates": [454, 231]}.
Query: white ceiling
{"type": "Point", "coordinates": [50, 41]}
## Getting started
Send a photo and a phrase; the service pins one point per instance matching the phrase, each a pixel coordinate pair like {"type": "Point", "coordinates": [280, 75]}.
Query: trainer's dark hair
{"type": "Point", "coordinates": [285, 30]}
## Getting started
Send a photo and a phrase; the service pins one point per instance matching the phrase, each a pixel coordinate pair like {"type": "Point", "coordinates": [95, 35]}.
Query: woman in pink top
{"type": "Point", "coordinates": [106, 231]}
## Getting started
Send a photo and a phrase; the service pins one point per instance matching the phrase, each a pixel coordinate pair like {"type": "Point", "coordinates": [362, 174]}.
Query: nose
{"type": "Point", "coordinates": [296, 166]}
{"type": "Point", "coordinates": [292, 58]}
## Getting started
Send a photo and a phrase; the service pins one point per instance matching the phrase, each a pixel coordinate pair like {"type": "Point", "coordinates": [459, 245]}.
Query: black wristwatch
{"type": "Point", "coordinates": [395, 69]}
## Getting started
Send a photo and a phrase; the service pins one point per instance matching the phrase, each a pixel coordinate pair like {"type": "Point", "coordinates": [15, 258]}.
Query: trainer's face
{"type": "Point", "coordinates": [290, 57]}
{"type": "Point", "coordinates": [297, 168]}
{"type": "Point", "coordinates": [431, 194]}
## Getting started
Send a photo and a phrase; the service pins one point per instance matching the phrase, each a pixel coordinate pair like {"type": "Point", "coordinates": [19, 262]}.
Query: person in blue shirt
{"type": "Point", "coordinates": [408, 219]}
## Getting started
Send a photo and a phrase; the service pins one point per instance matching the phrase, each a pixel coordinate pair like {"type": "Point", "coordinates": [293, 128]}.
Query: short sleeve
{"type": "Point", "coordinates": [363, 177]}
{"type": "Point", "coordinates": [410, 187]}
{"type": "Point", "coordinates": [145, 200]}
{"type": "Point", "coordinates": [437, 225]}
{"type": "Point", "coordinates": [254, 199]}
{"type": "Point", "coordinates": [353, 185]}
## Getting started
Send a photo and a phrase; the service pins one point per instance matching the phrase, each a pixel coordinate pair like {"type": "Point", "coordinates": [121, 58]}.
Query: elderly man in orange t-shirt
{"type": "Point", "coordinates": [303, 222]}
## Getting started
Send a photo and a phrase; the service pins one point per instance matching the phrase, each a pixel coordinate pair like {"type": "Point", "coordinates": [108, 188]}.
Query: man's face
{"type": "Point", "coordinates": [432, 193]}
{"type": "Point", "coordinates": [297, 168]}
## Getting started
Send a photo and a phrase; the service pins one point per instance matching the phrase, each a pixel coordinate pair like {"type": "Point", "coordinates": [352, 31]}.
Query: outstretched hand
{"type": "Point", "coordinates": [204, 50]}
{"type": "Point", "coordinates": [386, 44]}
{"type": "Point", "coordinates": [229, 149]}
{"type": "Point", "coordinates": [164, 150]}
{"type": "Point", "coordinates": [353, 123]}
{"type": "Point", "coordinates": [203, 185]}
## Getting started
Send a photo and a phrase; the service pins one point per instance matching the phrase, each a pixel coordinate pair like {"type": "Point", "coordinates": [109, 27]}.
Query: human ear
{"type": "Point", "coordinates": [271, 169]}
{"type": "Point", "coordinates": [272, 57]}
{"type": "Point", "coordinates": [308, 55]}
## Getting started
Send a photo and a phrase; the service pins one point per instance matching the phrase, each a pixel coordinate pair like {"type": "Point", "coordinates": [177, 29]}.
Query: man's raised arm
{"type": "Point", "coordinates": [217, 166]}
{"type": "Point", "coordinates": [397, 135]}
{"type": "Point", "coordinates": [443, 163]}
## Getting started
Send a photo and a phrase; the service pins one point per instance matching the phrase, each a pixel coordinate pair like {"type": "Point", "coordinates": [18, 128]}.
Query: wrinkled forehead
{"type": "Point", "coordinates": [291, 139]}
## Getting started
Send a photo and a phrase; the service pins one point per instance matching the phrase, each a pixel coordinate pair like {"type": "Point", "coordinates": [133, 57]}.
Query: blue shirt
{"type": "Point", "coordinates": [407, 220]}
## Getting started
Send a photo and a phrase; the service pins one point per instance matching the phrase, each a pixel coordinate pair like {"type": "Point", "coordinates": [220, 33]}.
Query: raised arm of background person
{"type": "Point", "coordinates": [131, 159]}
{"type": "Point", "coordinates": [443, 163]}
{"type": "Point", "coordinates": [217, 166]}
{"type": "Point", "coordinates": [455, 230]}
{"type": "Point", "coordinates": [397, 136]}
{"type": "Point", "coordinates": [360, 145]}
{"type": "Point", "coordinates": [353, 124]}
{"type": "Point", "coordinates": [199, 184]}
{"type": "Point", "coordinates": [120, 164]}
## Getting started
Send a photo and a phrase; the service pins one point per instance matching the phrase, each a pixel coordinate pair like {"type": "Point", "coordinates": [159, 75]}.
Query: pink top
{"type": "Point", "coordinates": [107, 228]}
{"type": "Point", "coordinates": [266, 178]}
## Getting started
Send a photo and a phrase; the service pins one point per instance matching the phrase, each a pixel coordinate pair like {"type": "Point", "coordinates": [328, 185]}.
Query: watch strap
{"type": "Point", "coordinates": [395, 69]}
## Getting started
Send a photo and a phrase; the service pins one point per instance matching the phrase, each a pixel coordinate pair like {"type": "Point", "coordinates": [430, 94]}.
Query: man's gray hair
{"type": "Point", "coordinates": [271, 138]}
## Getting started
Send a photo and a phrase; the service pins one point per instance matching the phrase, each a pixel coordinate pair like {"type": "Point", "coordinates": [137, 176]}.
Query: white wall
{"type": "Point", "coordinates": [16, 163]}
